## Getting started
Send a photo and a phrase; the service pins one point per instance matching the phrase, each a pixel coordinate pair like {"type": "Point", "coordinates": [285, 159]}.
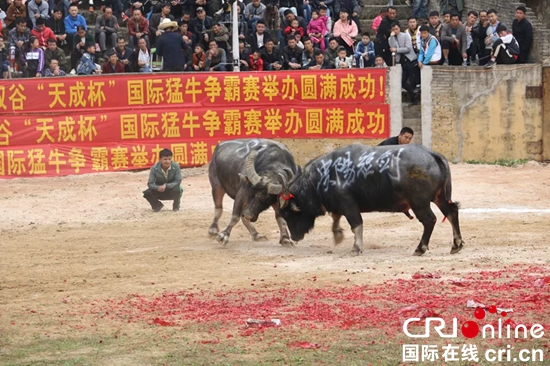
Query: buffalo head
{"type": "Point", "coordinates": [261, 191]}
{"type": "Point", "coordinates": [297, 205]}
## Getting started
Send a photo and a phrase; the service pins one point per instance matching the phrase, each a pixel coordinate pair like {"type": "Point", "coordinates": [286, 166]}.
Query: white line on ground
{"type": "Point", "coordinates": [505, 210]}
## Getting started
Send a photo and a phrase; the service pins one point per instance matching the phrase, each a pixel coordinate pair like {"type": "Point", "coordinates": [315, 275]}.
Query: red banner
{"type": "Point", "coordinates": [362, 121]}
{"type": "Point", "coordinates": [55, 160]}
{"type": "Point", "coordinates": [186, 90]}
{"type": "Point", "coordinates": [60, 126]}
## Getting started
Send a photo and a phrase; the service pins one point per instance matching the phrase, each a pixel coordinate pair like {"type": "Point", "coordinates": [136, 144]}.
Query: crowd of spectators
{"type": "Point", "coordinates": [53, 39]}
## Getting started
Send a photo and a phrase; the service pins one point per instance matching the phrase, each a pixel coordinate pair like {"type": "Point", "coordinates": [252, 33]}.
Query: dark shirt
{"type": "Point", "coordinates": [170, 46]}
{"type": "Point", "coordinates": [523, 33]}
{"type": "Point", "coordinates": [391, 141]}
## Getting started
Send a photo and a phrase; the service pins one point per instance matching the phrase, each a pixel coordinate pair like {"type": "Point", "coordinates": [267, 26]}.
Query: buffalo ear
{"type": "Point", "coordinates": [244, 178]}
{"type": "Point", "coordinates": [294, 208]}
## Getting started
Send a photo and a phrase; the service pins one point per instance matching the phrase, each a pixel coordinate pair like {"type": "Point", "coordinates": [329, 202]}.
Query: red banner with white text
{"type": "Point", "coordinates": [60, 126]}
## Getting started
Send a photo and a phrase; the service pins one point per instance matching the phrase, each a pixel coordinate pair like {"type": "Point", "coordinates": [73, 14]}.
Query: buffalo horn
{"type": "Point", "coordinates": [251, 174]}
{"type": "Point", "coordinates": [273, 188]}
{"type": "Point", "coordinates": [289, 173]}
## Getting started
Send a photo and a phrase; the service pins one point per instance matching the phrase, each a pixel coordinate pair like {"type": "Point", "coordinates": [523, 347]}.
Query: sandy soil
{"type": "Point", "coordinates": [93, 236]}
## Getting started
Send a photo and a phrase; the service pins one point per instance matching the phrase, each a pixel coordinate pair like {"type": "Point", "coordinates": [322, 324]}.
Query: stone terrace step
{"type": "Point", "coordinates": [372, 11]}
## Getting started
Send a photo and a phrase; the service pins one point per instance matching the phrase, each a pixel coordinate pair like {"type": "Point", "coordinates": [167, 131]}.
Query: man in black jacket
{"type": "Point", "coordinates": [292, 55]}
{"type": "Point", "coordinates": [57, 24]}
{"type": "Point", "coordinates": [523, 33]}
{"type": "Point", "coordinates": [170, 46]}
{"type": "Point", "coordinates": [381, 44]}
{"type": "Point", "coordinates": [260, 37]}
{"type": "Point", "coordinates": [405, 137]}
{"type": "Point", "coordinates": [271, 56]}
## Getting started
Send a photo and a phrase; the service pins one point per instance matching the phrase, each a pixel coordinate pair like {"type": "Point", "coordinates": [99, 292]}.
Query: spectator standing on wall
{"type": "Point", "coordinates": [491, 34]}
{"type": "Point", "coordinates": [481, 30]}
{"type": "Point", "coordinates": [452, 6]}
{"type": "Point", "coordinates": [435, 25]}
{"type": "Point", "coordinates": [430, 48]}
{"type": "Point", "coordinates": [401, 44]}
{"type": "Point", "coordinates": [381, 44]}
{"type": "Point", "coordinates": [454, 42]}
{"type": "Point", "coordinates": [471, 37]}
{"type": "Point", "coordinates": [523, 33]}
{"type": "Point", "coordinates": [413, 31]}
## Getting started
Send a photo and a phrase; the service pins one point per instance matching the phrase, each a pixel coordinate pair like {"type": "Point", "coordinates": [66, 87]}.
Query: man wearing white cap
{"type": "Point", "coordinates": [170, 45]}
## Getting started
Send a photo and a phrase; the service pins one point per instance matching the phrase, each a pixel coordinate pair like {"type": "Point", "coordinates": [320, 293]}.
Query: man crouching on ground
{"type": "Point", "coordinates": [164, 182]}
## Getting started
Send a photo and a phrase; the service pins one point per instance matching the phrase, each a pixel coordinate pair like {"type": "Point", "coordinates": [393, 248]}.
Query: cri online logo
{"type": "Point", "coordinates": [470, 329]}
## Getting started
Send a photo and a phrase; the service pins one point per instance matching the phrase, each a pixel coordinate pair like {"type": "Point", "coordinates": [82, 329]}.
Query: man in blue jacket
{"type": "Point", "coordinates": [164, 182]}
{"type": "Point", "coordinates": [72, 22]}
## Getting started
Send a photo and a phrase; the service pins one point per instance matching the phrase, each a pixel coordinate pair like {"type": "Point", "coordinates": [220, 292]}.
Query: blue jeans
{"type": "Point", "coordinates": [146, 69]}
{"type": "Point", "coordinates": [307, 13]}
{"type": "Point", "coordinates": [369, 63]}
{"type": "Point", "coordinates": [419, 9]}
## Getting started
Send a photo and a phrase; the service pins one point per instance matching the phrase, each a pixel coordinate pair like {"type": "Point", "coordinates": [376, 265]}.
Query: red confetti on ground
{"type": "Point", "coordinates": [382, 306]}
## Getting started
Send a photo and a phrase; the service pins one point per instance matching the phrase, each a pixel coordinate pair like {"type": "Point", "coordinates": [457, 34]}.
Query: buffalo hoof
{"type": "Point", "coordinates": [338, 236]}
{"type": "Point", "coordinates": [457, 248]}
{"type": "Point", "coordinates": [223, 238]}
{"type": "Point", "coordinates": [259, 237]}
{"type": "Point", "coordinates": [356, 250]}
{"type": "Point", "coordinates": [420, 251]}
{"type": "Point", "coordinates": [213, 231]}
{"type": "Point", "coordinates": [286, 242]}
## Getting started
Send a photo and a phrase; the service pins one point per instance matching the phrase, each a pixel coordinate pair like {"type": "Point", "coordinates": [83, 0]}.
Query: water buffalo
{"type": "Point", "coordinates": [250, 171]}
{"type": "Point", "coordinates": [359, 178]}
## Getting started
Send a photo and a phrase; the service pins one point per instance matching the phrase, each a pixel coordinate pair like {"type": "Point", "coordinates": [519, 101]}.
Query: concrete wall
{"type": "Point", "coordinates": [484, 115]}
{"type": "Point", "coordinates": [305, 150]}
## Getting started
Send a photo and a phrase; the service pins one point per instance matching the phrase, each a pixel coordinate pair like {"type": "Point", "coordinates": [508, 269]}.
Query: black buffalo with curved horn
{"type": "Point", "coordinates": [359, 178]}
{"type": "Point", "coordinates": [252, 172]}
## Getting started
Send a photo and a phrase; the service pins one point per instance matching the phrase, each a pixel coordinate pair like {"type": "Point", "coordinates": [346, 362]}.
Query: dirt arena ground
{"type": "Point", "coordinates": [82, 242]}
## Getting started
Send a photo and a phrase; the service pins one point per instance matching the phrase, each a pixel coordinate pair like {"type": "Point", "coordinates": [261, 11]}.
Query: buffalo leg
{"type": "Point", "coordinates": [252, 230]}
{"type": "Point", "coordinates": [217, 195]}
{"type": "Point", "coordinates": [425, 215]}
{"type": "Point", "coordinates": [450, 210]}
{"type": "Point", "coordinates": [223, 236]}
{"type": "Point", "coordinates": [337, 231]}
{"type": "Point", "coordinates": [356, 222]}
{"type": "Point", "coordinates": [284, 239]}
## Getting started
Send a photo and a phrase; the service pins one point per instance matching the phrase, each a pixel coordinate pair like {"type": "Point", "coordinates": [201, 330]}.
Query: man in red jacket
{"type": "Point", "coordinates": [112, 66]}
{"type": "Point", "coordinates": [42, 32]}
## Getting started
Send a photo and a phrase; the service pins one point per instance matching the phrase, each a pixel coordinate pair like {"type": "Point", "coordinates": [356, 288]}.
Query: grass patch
{"type": "Point", "coordinates": [502, 162]}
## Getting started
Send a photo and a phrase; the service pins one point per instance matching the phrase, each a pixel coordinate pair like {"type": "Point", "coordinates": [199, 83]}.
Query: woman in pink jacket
{"type": "Point", "coordinates": [345, 30]}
